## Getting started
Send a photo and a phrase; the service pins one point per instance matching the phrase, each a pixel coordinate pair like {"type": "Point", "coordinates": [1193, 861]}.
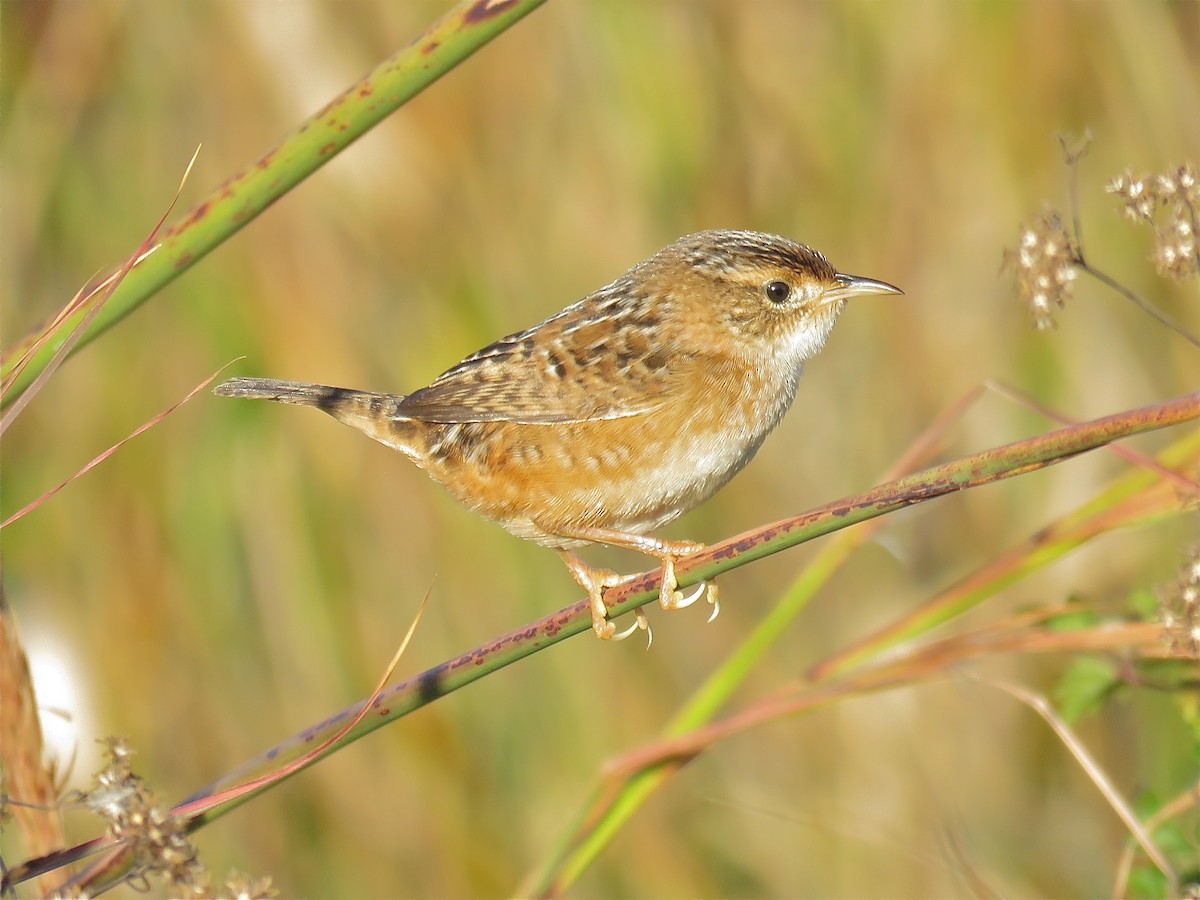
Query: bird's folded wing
{"type": "Point", "coordinates": [560, 371]}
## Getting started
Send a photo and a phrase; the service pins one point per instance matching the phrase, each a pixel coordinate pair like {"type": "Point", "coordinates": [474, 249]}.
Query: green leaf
{"type": "Point", "coordinates": [1085, 685]}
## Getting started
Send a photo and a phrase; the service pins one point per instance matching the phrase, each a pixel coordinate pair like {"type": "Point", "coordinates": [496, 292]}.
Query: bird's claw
{"type": "Point", "coordinates": [714, 600]}
{"type": "Point", "coordinates": [606, 629]}
{"type": "Point", "coordinates": [681, 601]}
{"type": "Point", "coordinates": [595, 581]}
{"type": "Point", "coordinates": [669, 597]}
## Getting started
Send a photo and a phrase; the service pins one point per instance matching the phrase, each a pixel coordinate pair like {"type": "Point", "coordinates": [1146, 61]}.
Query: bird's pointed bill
{"type": "Point", "coordinates": [856, 286]}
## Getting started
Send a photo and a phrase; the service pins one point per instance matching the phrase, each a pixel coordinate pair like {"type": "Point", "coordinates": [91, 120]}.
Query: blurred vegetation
{"type": "Point", "coordinates": [241, 571]}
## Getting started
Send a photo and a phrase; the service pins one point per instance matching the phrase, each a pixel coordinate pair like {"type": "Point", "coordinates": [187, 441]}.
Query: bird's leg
{"type": "Point", "coordinates": [667, 552]}
{"type": "Point", "coordinates": [594, 581]}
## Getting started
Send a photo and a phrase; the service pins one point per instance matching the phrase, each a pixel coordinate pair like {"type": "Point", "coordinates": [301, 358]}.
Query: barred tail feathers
{"type": "Point", "coordinates": [372, 413]}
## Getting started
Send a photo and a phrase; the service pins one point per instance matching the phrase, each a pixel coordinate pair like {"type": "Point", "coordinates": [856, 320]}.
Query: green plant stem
{"type": "Point", "coordinates": [981, 468]}
{"type": "Point", "coordinates": [978, 469]}
{"type": "Point", "coordinates": [605, 812]}
{"type": "Point", "coordinates": [1141, 303]}
{"type": "Point", "coordinates": [1134, 498]}
{"type": "Point", "coordinates": [237, 202]}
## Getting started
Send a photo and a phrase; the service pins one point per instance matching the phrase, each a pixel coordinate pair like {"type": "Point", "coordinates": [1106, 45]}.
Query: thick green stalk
{"type": "Point", "coordinates": [606, 811]}
{"type": "Point", "coordinates": [981, 468]}
{"type": "Point", "coordinates": [572, 857]}
{"type": "Point", "coordinates": [234, 204]}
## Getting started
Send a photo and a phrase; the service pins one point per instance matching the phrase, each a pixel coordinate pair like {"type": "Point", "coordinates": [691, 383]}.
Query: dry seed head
{"type": "Point", "coordinates": [1179, 608]}
{"type": "Point", "coordinates": [1139, 194]}
{"type": "Point", "coordinates": [1175, 252]}
{"type": "Point", "coordinates": [1176, 193]}
{"type": "Point", "coordinates": [1045, 264]}
{"type": "Point", "coordinates": [1179, 185]}
{"type": "Point", "coordinates": [157, 840]}
{"type": "Point", "coordinates": [239, 886]}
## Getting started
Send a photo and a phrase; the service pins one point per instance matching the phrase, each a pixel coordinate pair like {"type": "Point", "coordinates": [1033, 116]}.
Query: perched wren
{"type": "Point", "coordinates": [622, 412]}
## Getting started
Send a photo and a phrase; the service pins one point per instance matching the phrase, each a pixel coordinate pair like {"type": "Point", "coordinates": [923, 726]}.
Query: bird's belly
{"type": "Point", "coordinates": [633, 474]}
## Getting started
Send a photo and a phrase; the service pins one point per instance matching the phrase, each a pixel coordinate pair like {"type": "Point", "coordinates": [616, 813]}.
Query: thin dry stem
{"type": "Point", "coordinates": [1177, 806]}
{"type": "Point", "coordinates": [1096, 773]}
{"type": "Point", "coordinates": [105, 288]}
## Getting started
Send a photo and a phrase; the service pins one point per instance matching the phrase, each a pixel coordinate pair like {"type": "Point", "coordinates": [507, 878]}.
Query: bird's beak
{"type": "Point", "coordinates": [856, 285]}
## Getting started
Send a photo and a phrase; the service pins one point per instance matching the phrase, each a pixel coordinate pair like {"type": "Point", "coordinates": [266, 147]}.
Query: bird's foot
{"type": "Point", "coordinates": [595, 581]}
{"type": "Point", "coordinates": [669, 595]}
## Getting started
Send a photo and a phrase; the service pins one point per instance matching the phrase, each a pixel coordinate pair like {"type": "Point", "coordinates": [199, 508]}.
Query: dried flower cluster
{"type": "Point", "coordinates": [157, 840]}
{"type": "Point", "coordinates": [1170, 203]}
{"type": "Point", "coordinates": [1179, 608]}
{"type": "Point", "coordinates": [1045, 265]}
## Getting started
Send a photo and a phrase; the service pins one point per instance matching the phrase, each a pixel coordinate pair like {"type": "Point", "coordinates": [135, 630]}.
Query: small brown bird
{"type": "Point", "coordinates": [622, 412]}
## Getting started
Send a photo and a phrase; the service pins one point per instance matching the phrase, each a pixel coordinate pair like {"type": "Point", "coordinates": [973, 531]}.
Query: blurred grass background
{"type": "Point", "coordinates": [243, 570]}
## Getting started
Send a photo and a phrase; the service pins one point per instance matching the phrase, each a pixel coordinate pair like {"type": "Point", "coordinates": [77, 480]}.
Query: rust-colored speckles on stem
{"type": "Point", "coordinates": [365, 90]}
{"type": "Point", "coordinates": [197, 213]}
{"type": "Point", "coordinates": [552, 625]}
{"type": "Point", "coordinates": [193, 216]}
{"type": "Point", "coordinates": [327, 149]}
{"type": "Point", "coordinates": [184, 261]}
{"type": "Point", "coordinates": [485, 9]}
{"type": "Point", "coordinates": [430, 47]}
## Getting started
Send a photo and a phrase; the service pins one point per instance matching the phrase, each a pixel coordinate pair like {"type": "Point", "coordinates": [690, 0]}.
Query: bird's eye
{"type": "Point", "coordinates": [778, 291]}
